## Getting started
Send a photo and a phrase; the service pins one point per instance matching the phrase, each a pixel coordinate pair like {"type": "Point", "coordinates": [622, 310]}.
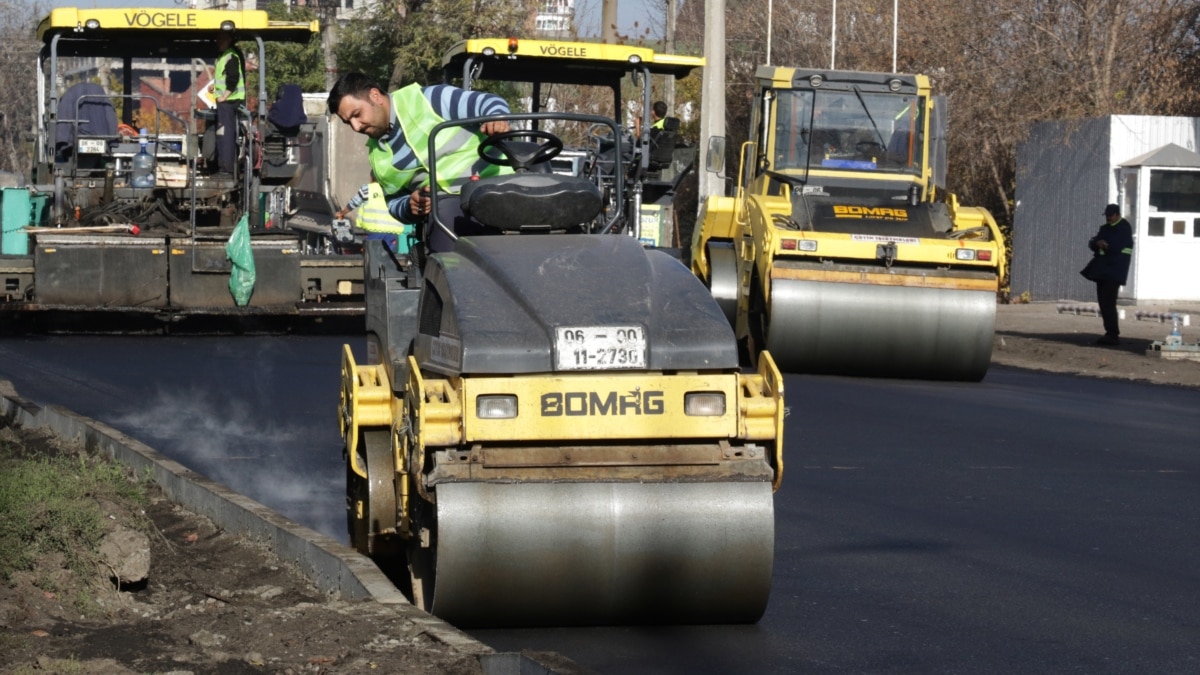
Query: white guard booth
{"type": "Point", "coordinates": [1068, 170]}
{"type": "Point", "coordinates": [1161, 193]}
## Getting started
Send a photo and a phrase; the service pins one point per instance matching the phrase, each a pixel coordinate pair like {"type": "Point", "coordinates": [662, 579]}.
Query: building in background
{"type": "Point", "coordinates": [555, 19]}
{"type": "Point", "coordinates": [1068, 170]}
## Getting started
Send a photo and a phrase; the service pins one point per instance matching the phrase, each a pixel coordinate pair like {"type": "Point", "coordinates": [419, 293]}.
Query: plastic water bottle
{"type": "Point", "coordinates": [143, 165]}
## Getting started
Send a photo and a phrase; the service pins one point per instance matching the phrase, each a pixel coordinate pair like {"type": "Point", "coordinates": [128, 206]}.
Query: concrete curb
{"type": "Point", "coordinates": [331, 566]}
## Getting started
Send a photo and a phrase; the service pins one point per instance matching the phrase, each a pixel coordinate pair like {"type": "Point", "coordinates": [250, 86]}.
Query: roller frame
{"type": "Point", "coordinates": [541, 534]}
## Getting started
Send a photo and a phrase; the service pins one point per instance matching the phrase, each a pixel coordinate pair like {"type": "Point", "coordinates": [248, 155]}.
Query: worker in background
{"type": "Point", "coordinates": [1113, 250]}
{"type": "Point", "coordinates": [376, 220]}
{"type": "Point", "coordinates": [398, 127]}
{"type": "Point", "coordinates": [658, 116]}
{"type": "Point", "coordinates": [229, 90]}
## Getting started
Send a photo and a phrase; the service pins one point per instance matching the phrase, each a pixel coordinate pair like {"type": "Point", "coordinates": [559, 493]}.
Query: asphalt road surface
{"type": "Point", "coordinates": [1028, 523]}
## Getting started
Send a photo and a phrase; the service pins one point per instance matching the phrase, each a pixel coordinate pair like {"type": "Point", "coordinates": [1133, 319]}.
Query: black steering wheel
{"type": "Point", "coordinates": [518, 155]}
{"type": "Point", "coordinates": [868, 147]}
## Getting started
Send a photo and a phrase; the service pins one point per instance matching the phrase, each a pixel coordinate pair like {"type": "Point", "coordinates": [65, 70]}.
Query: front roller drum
{"type": "Point", "coordinates": [603, 553]}
{"type": "Point", "coordinates": [881, 331]}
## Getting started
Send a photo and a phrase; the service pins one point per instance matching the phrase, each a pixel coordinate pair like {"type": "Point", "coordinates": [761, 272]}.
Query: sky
{"type": "Point", "coordinates": [629, 12]}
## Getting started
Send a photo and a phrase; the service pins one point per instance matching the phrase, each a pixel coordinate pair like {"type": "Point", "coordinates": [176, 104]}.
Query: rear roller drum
{"type": "Point", "coordinates": [372, 501]}
{"type": "Point", "coordinates": [722, 277]}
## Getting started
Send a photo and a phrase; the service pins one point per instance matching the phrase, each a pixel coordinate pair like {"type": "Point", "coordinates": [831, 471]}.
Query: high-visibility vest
{"type": "Point", "coordinates": [219, 78]}
{"type": "Point", "coordinates": [458, 157]}
{"type": "Point", "coordinates": [373, 216]}
{"type": "Point", "coordinates": [658, 124]}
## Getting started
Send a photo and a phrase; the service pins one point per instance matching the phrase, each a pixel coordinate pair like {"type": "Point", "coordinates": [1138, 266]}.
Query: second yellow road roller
{"type": "Point", "coordinates": [841, 252]}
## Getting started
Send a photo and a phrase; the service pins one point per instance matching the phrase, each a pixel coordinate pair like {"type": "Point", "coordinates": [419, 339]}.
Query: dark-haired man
{"type": "Point", "coordinates": [398, 126]}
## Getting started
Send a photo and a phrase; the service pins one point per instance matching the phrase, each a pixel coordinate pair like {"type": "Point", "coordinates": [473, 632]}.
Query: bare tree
{"type": "Point", "coordinates": [1004, 65]}
{"type": "Point", "coordinates": [18, 61]}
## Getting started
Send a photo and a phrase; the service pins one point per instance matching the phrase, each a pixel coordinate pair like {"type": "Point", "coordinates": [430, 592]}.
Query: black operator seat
{"type": "Point", "coordinates": [532, 201]}
{"type": "Point", "coordinates": [85, 107]}
{"type": "Point", "coordinates": [662, 144]}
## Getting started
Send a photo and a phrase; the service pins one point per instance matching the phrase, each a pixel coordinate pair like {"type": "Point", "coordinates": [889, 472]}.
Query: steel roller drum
{"type": "Point", "coordinates": [603, 553]}
{"type": "Point", "coordinates": [881, 331]}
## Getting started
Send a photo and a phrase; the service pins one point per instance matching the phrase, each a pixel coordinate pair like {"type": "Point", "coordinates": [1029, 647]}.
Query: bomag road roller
{"type": "Point", "coordinates": [551, 426]}
{"type": "Point", "coordinates": [134, 218]}
{"type": "Point", "coordinates": [841, 251]}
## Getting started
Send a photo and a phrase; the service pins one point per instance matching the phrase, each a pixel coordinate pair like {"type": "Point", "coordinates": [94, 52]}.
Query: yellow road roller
{"type": "Point", "coordinates": [551, 426]}
{"type": "Point", "coordinates": [841, 252]}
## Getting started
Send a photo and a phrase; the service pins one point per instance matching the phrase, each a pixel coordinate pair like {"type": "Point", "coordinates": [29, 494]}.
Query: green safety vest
{"type": "Point", "coordinates": [219, 77]}
{"type": "Point", "coordinates": [458, 157]}
{"type": "Point", "coordinates": [373, 216]}
{"type": "Point", "coordinates": [658, 124]}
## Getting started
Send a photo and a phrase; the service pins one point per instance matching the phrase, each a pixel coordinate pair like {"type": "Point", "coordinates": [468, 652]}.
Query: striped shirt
{"type": "Point", "coordinates": [359, 197]}
{"type": "Point", "coordinates": [450, 103]}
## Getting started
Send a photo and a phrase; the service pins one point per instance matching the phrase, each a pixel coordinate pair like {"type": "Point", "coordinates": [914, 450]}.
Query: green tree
{"type": "Point", "coordinates": [403, 42]}
{"type": "Point", "coordinates": [368, 43]}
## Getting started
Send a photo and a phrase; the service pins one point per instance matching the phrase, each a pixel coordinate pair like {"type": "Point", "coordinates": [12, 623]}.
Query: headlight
{"type": "Point", "coordinates": [496, 407]}
{"type": "Point", "coordinates": [91, 24]}
{"type": "Point", "coordinates": [964, 253]}
{"type": "Point", "coordinates": [704, 404]}
{"type": "Point", "coordinates": [808, 245]}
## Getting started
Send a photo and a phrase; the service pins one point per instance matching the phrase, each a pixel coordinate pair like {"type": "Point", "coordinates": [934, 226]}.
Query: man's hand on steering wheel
{"type": "Point", "coordinates": [494, 127]}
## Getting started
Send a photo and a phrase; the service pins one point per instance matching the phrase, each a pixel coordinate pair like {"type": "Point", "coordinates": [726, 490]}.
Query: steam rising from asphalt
{"type": "Point", "coordinates": [235, 441]}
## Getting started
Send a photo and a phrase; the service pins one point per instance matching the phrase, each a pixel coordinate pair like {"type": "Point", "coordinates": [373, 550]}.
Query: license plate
{"type": "Point", "coordinates": [600, 348]}
{"type": "Point", "coordinates": [91, 146]}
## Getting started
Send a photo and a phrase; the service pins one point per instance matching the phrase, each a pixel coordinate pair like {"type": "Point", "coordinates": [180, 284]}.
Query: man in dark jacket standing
{"type": "Point", "coordinates": [1113, 247]}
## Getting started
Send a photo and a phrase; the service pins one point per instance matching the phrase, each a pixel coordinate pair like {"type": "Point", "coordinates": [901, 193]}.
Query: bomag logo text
{"type": "Point", "coordinates": [585, 403]}
{"type": "Point", "coordinates": [556, 50]}
{"type": "Point", "coordinates": [881, 212]}
{"type": "Point", "coordinates": [160, 20]}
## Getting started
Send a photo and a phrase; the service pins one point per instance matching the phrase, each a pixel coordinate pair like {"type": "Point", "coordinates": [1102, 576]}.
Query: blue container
{"type": "Point", "coordinates": [16, 213]}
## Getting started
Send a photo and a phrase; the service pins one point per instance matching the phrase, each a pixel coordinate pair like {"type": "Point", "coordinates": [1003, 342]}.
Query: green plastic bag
{"type": "Point", "coordinates": [238, 251]}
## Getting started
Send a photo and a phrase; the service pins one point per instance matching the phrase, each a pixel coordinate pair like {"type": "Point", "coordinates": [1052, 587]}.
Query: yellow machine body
{"type": "Point", "coordinates": [840, 250]}
{"type": "Point", "coordinates": [552, 426]}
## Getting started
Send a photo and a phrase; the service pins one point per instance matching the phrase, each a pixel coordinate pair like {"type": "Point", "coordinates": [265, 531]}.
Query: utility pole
{"type": "Point", "coordinates": [712, 96]}
{"type": "Point", "coordinates": [833, 39]}
{"type": "Point", "coordinates": [329, 40]}
{"type": "Point", "coordinates": [608, 22]}
{"type": "Point", "coordinates": [669, 47]}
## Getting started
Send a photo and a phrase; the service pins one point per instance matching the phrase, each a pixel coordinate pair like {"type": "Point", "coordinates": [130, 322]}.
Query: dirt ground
{"type": "Point", "coordinates": [212, 603]}
{"type": "Point", "coordinates": [1060, 337]}
{"type": "Point", "coordinates": [217, 604]}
